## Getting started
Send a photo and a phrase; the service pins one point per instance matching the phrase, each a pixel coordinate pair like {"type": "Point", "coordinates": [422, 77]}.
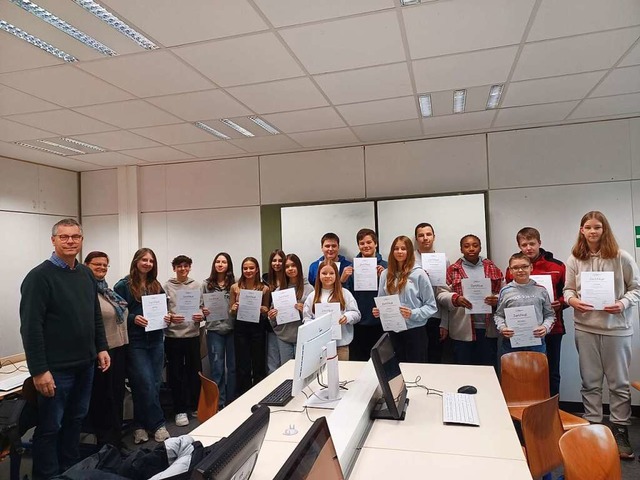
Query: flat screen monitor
{"type": "Point", "coordinates": [314, 458]}
{"type": "Point", "coordinates": [394, 401]}
{"type": "Point", "coordinates": [313, 337]}
{"type": "Point", "coordinates": [234, 457]}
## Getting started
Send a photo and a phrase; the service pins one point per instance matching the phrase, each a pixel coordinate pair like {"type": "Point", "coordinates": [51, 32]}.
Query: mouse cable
{"type": "Point", "coordinates": [415, 384]}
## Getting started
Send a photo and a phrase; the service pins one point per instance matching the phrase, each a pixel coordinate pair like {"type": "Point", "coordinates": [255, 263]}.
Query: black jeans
{"type": "Point", "coordinates": [364, 338]}
{"type": "Point", "coordinates": [410, 345]}
{"type": "Point", "coordinates": [183, 365]}
{"type": "Point", "coordinates": [434, 351]}
{"type": "Point", "coordinates": [250, 344]}
{"type": "Point", "coordinates": [554, 344]}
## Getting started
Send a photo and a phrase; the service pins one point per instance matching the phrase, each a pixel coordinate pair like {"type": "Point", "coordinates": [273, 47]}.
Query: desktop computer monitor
{"type": "Point", "coordinates": [314, 458]}
{"type": "Point", "coordinates": [394, 401]}
{"type": "Point", "coordinates": [235, 456]}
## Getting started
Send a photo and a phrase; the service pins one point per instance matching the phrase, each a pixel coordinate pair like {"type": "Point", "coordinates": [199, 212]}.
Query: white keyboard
{"type": "Point", "coordinates": [13, 381]}
{"type": "Point", "coordinates": [459, 408]}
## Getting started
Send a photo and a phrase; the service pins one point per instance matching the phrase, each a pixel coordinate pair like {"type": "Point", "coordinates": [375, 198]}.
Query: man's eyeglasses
{"type": "Point", "coordinates": [66, 238]}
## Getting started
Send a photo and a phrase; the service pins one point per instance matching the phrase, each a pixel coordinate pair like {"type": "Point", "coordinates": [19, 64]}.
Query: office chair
{"type": "Point", "coordinates": [541, 430]}
{"type": "Point", "coordinates": [209, 397]}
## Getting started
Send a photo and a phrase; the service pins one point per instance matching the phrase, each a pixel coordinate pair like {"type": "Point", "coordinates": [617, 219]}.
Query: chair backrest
{"type": "Point", "coordinates": [29, 392]}
{"type": "Point", "coordinates": [541, 430]}
{"type": "Point", "coordinates": [590, 453]}
{"type": "Point", "coordinates": [209, 397]}
{"type": "Point", "coordinates": [524, 377]}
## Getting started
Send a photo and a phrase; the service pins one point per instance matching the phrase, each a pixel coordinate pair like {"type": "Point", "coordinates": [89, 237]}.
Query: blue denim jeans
{"type": "Point", "coordinates": [57, 435]}
{"type": "Point", "coordinates": [482, 351]}
{"type": "Point", "coordinates": [507, 348]}
{"type": "Point", "coordinates": [273, 353]}
{"type": "Point", "coordinates": [145, 360]}
{"type": "Point", "coordinates": [287, 351]}
{"type": "Point", "coordinates": [222, 353]}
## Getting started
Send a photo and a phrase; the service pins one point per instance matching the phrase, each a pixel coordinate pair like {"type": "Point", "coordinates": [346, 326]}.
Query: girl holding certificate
{"type": "Point", "coordinates": [328, 289]}
{"type": "Point", "coordinates": [275, 280]}
{"type": "Point", "coordinates": [249, 302]}
{"type": "Point", "coordinates": [603, 335]}
{"type": "Point", "coordinates": [417, 303]}
{"type": "Point", "coordinates": [221, 351]}
{"type": "Point", "coordinates": [145, 352]}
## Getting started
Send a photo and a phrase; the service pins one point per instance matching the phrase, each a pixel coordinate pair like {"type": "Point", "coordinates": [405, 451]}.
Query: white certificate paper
{"type": "Point", "coordinates": [596, 288]}
{"type": "Point", "coordinates": [546, 282]}
{"type": "Point", "coordinates": [334, 309]}
{"type": "Point", "coordinates": [154, 308]}
{"type": "Point", "coordinates": [390, 316]}
{"type": "Point", "coordinates": [435, 264]}
{"type": "Point", "coordinates": [365, 274]}
{"type": "Point", "coordinates": [187, 303]}
{"type": "Point", "coordinates": [476, 290]}
{"type": "Point", "coordinates": [217, 305]}
{"type": "Point", "coordinates": [523, 322]}
{"type": "Point", "coordinates": [285, 302]}
{"type": "Point", "coordinates": [249, 304]}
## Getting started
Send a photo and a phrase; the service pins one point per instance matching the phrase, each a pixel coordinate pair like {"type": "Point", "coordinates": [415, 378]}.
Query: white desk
{"type": "Point", "coordinates": [8, 370]}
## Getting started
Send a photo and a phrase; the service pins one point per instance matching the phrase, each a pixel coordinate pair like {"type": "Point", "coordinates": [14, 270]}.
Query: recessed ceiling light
{"type": "Point", "coordinates": [261, 123]}
{"type": "Point", "coordinates": [83, 144]}
{"type": "Point", "coordinates": [22, 35]}
{"type": "Point", "coordinates": [42, 149]}
{"type": "Point", "coordinates": [237, 127]}
{"type": "Point", "coordinates": [425, 105]}
{"type": "Point", "coordinates": [63, 26]}
{"type": "Point", "coordinates": [212, 131]}
{"type": "Point", "coordinates": [494, 96]}
{"type": "Point", "coordinates": [114, 22]}
{"type": "Point", "coordinates": [64, 147]}
{"type": "Point", "coordinates": [459, 100]}
{"type": "Point", "coordinates": [406, 3]}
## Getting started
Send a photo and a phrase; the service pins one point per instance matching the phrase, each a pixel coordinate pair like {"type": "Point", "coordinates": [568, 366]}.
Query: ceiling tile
{"type": "Point", "coordinates": [292, 12]}
{"type": "Point", "coordinates": [332, 45]}
{"type": "Point", "coordinates": [464, 70]}
{"type": "Point", "coordinates": [13, 101]}
{"type": "Point", "coordinates": [534, 114]}
{"type": "Point", "coordinates": [632, 58]}
{"type": "Point", "coordinates": [148, 74]}
{"type": "Point", "coordinates": [619, 81]}
{"type": "Point", "coordinates": [107, 159]}
{"type": "Point", "coordinates": [459, 122]}
{"type": "Point", "coordinates": [439, 28]}
{"type": "Point", "coordinates": [272, 143]}
{"type": "Point", "coordinates": [242, 60]}
{"type": "Point", "coordinates": [596, 51]}
{"type": "Point", "coordinates": [158, 154]}
{"type": "Point", "coordinates": [280, 96]}
{"type": "Point", "coordinates": [606, 106]}
{"type": "Point", "coordinates": [548, 90]}
{"type": "Point", "coordinates": [305, 120]}
{"type": "Point", "coordinates": [572, 17]}
{"type": "Point", "coordinates": [16, 54]}
{"type": "Point", "coordinates": [210, 149]}
{"type": "Point", "coordinates": [63, 122]}
{"type": "Point", "coordinates": [201, 105]}
{"type": "Point", "coordinates": [118, 140]}
{"type": "Point", "coordinates": [11, 132]}
{"type": "Point", "coordinates": [130, 114]}
{"type": "Point", "coordinates": [325, 138]}
{"type": "Point", "coordinates": [43, 158]}
{"type": "Point", "coordinates": [174, 134]}
{"type": "Point", "coordinates": [383, 132]}
{"type": "Point", "coordinates": [172, 23]}
{"type": "Point", "coordinates": [379, 111]}
{"type": "Point", "coordinates": [372, 83]}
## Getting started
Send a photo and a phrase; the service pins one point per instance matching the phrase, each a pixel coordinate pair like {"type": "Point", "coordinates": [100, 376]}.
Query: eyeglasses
{"type": "Point", "coordinates": [103, 265]}
{"type": "Point", "coordinates": [66, 238]}
{"type": "Point", "coordinates": [520, 267]}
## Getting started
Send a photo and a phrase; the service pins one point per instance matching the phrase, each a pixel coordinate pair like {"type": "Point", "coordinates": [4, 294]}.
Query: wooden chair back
{"type": "Point", "coordinates": [590, 453]}
{"type": "Point", "coordinates": [541, 430]}
{"type": "Point", "coordinates": [524, 377]}
{"type": "Point", "coordinates": [209, 397]}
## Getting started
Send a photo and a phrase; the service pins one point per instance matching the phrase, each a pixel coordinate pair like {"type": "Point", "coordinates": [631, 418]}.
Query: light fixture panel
{"type": "Point", "coordinates": [212, 131]}
{"type": "Point", "coordinates": [264, 125]}
{"type": "Point", "coordinates": [425, 105]}
{"type": "Point", "coordinates": [238, 128]}
{"type": "Point", "coordinates": [495, 94]}
{"type": "Point", "coordinates": [33, 40]}
{"type": "Point", "coordinates": [459, 101]}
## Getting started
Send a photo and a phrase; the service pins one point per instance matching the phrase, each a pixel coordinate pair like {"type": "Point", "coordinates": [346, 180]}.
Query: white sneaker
{"type": "Point", "coordinates": [140, 436]}
{"type": "Point", "coordinates": [182, 420]}
{"type": "Point", "coordinates": [161, 434]}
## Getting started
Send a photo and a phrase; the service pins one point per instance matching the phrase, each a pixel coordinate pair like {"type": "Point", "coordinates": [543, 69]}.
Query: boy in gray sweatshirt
{"type": "Point", "coordinates": [521, 292]}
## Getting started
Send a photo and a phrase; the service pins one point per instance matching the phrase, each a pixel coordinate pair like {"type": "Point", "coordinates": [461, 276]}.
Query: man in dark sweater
{"type": "Point", "coordinates": [62, 333]}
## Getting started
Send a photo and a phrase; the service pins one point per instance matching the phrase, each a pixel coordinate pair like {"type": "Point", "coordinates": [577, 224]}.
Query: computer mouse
{"type": "Point", "coordinates": [255, 407]}
{"type": "Point", "coordinates": [468, 389]}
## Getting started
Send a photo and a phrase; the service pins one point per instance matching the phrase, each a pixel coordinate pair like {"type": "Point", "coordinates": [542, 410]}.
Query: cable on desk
{"type": "Point", "coordinates": [415, 384]}
{"type": "Point", "coordinates": [21, 368]}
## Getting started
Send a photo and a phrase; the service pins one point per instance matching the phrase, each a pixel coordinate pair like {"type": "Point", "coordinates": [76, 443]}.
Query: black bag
{"type": "Point", "coordinates": [10, 411]}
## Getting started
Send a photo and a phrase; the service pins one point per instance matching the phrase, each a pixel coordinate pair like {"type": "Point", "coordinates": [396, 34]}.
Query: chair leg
{"type": "Point", "coordinates": [15, 459]}
{"type": "Point", "coordinates": [547, 476]}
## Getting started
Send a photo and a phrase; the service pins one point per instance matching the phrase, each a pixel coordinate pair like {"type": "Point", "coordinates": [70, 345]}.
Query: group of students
{"type": "Point", "coordinates": [242, 353]}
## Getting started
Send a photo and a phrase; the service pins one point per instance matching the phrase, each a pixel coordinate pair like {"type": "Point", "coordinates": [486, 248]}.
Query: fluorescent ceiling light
{"type": "Point", "coordinates": [42, 149]}
{"type": "Point", "coordinates": [237, 127]}
{"type": "Point", "coordinates": [261, 123]}
{"type": "Point", "coordinates": [82, 144]}
{"type": "Point", "coordinates": [425, 105]}
{"type": "Point", "coordinates": [459, 100]}
{"type": "Point", "coordinates": [63, 26]}
{"type": "Point", "coordinates": [212, 131]}
{"type": "Point", "coordinates": [406, 3]}
{"type": "Point", "coordinates": [114, 22]}
{"type": "Point", "coordinates": [64, 147]}
{"type": "Point", "coordinates": [22, 35]}
{"type": "Point", "coordinates": [494, 96]}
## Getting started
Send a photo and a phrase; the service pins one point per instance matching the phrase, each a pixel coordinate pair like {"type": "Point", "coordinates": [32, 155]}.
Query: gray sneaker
{"type": "Point", "coordinates": [161, 434]}
{"type": "Point", "coordinates": [621, 435]}
{"type": "Point", "coordinates": [140, 436]}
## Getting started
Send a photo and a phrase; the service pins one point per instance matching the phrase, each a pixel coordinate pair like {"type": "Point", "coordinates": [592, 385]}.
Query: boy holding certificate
{"type": "Point", "coordinates": [330, 243]}
{"type": "Point", "coordinates": [524, 314]}
{"type": "Point", "coordinates": [182, 339]}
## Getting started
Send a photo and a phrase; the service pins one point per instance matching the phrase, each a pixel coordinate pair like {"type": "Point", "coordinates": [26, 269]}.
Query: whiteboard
{"type": "Point", "coordinates": [452, 218]}
{"type": "Point", "coordinates": [303, 227]}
